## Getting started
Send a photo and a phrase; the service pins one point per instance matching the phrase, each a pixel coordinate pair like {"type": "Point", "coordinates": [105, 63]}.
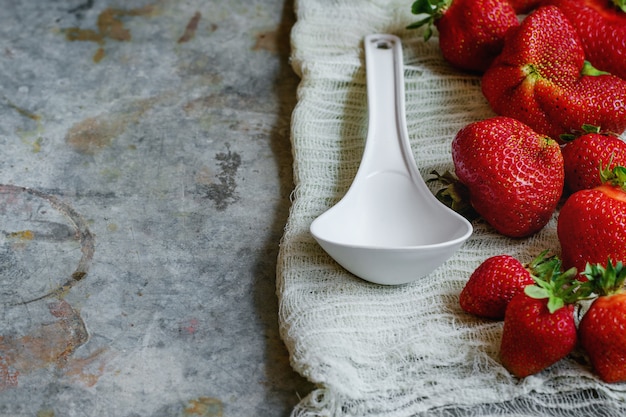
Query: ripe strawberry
{"type": "Point", "coordinates": [497, 280]}
{"type": "Point", "coordinates": [525, 6]}
{"type": "Point", "coordinates": [585, 155]}
{"type": "Point", "coordinates": [601, 25]}
{"type": "Point", "coordinates": [514, 175]}
{"type": "Point", "coordinates": [471, 32]}
{"type": "Point", "coordinates": [539, 326]}
{"type": "Point", "coordinates": [591, 226]}
{"type": "Point", "coordinates": [602, 330]}
{"type": "Point", "coordinates": [541, 79]}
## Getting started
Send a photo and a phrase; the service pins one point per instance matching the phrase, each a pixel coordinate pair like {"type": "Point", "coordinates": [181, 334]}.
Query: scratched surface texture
{"type": "Point", "coordinates": [145, 174]}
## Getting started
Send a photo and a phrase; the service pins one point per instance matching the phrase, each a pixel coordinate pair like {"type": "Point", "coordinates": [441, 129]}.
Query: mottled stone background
{"type": "Point", "coordinates": [145, 177]}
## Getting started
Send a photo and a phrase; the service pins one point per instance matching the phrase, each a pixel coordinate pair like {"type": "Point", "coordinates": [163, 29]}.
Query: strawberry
{"type": "Point", "coordinates": [471, 32]}
{"type": "Point", "coordinates": [601, 26]}
{"type": "Point", "coordinates": [591, 226]}
{"type": "Point", "coordinates": [539, 326]}
{"type": "Point", "coordinates": [602, 330]}
{"type": "Point", "coordinates": [514, 175]}
{"type": "Point", "coordinates": [541, 78]}
{"type": "Point", "coordinates": [525, 6]}
{"type": "Point", "coordinates": [497, 280]}
{"type": "Point", "coordinates": [585, 155]}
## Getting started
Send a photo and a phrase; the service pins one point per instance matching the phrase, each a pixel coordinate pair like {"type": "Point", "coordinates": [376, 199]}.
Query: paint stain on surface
{"type": "Point", "coordinates": [45, 335]}
{"type": "Point", "coordinates": [28, 134]}
{"type": "Point", "coordinates": [96, 133]}
{"type": "Point", "coordinates": [191, 327]}
{"type": "Point", "coordinates": [190, 30]}
{"type": "Point", "coordinates": [22, 235]}
{"type": "Point", "coordinates": [23, 112]}
{"type": "Point", "coordinates": [21, 238]}
{"type": "Point", "coordinates": [8, 375]}
{"type": "Point", "coordinates": [223, 192]}
{"type": "Point", "coordinates": [267, 41]}
{"type": "Point", "coordinates": [87, 370]}
{"type": "Point", "coordinates": [50, 344]}
{"type": "Point", "coordinates": [110, 25]}
{"type": "Point", "coordinates": [204, 407]}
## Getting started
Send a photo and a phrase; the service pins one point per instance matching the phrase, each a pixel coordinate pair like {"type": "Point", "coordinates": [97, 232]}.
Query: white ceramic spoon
{"type": "Point", "coordinates": [389, 228]}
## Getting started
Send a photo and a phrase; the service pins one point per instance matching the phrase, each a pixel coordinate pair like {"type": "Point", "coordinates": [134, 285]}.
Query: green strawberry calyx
{"type": "Point", "coordinates": [615, 177]}
{"type": "Point", "coordinates": [606, 280]}
{"type": "Point", "coordinates": [454, 194]}
{"type": "Point", "coordinates": [543, 265]}
{"type": "Point", "coordinates": [585, 130]}
{"type": "Point", "coordinates": [561, 288]}
{"type": "Point", "coordinates": [433, 9]}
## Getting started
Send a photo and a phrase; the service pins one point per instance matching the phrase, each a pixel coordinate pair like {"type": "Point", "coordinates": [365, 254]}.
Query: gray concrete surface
{"type": "Point", "coordinates": [145, 174]}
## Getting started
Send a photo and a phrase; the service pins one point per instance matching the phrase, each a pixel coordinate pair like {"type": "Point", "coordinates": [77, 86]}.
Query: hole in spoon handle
{"type": "Point", "coordinates": [384, 44]}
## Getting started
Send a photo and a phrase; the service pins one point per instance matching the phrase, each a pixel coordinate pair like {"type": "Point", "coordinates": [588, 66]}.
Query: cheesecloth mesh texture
{"type": "Point", "coordinates": [405, 350]}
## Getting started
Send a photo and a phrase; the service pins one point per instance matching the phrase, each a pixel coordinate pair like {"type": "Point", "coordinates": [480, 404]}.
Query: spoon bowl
{"type": "Point", "coordinates": [389, 228]}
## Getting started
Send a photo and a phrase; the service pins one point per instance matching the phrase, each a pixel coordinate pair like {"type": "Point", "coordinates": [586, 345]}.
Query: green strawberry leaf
{"type": "Point", "coordinates": [586, 128]}
{"type": "Point", "coordinates": [559, 287]}
{"type": "Point", "coordinates": [621, 4]}
{"type": "Point", "coordinates": [454, 194]}
{"type": "Point", "coordinates": [538, 292]}
{"type": "Point", "coordinates": [615, 177]}
{"type": "Point", "coordinates": [543, 265]}
{"type": "Point", "coordinates": [428, 32]}
{"type": "Point", "coordinates": [535, 291]}
{"type": "Point", "coordinates": [434, 9]}
{"type": "Point", "coordinates": [555, 303]}
{"type": "Point", "coordinates": [606, 280]}
{"type": "Point", "coordinates": [423, 6]}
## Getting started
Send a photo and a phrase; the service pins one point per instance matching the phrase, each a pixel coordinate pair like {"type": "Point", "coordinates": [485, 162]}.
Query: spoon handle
{"type": "Point", "coordinates": [387, 147]}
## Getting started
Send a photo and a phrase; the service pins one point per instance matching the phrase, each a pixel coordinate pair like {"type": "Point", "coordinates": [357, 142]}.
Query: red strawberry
{"type": "Point", "coordinates": [585, 155]}
{"type": "Point", "coordinates": [471, 32]}
{"type": "Point", "coordinates": [513, 174]}
{"type": "Point", "coordinates": [539, 326]}
{"type": "Point", "coordinates": [602, 330]}
{"type": "Point", "coordinates": [601, 25]}
{"type": "Point", "coordinates": [497, 280]}
{"type": "Point", "coordinates": [525, 6]}
{"type": "Point", "coordinates": [541, 79]}
{"type": "Point", "coordinates": [591, 225]}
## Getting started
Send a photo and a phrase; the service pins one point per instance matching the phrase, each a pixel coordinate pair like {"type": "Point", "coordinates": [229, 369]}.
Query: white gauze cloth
{"type": "Point", "coordinates": [404, 350]}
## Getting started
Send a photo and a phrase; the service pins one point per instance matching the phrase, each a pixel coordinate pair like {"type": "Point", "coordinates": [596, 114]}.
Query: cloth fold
{"type": "Point", "coordinates": [405, 350]}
